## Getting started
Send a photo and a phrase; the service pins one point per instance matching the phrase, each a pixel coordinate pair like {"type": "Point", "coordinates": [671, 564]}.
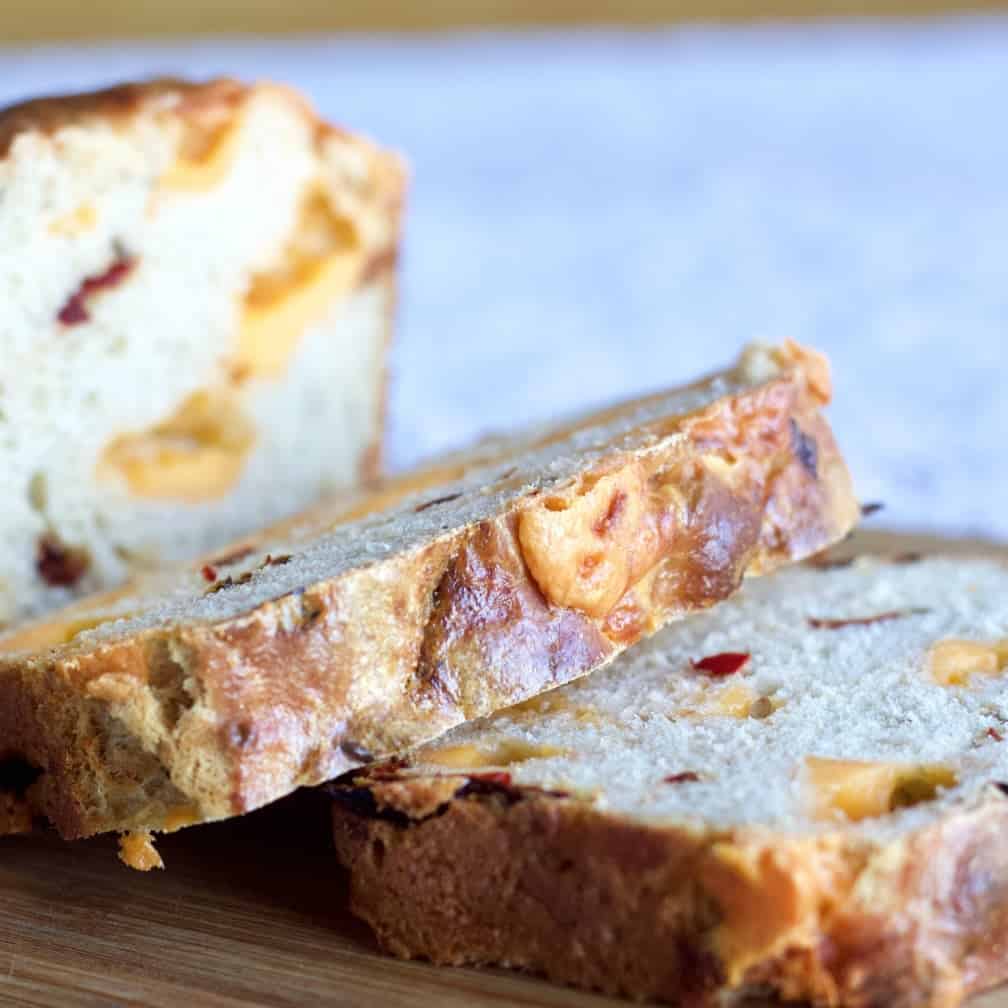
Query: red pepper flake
{"type": "Point", "coordinates": [229, 582]}
{"type": "Point", "coordinates": [59, 565]}
{"type": "Point", "coordinates": [686, 776]}
{"type": "Point", "coordinates": [500, 778]}
{"type": "Point", "coordinates": [209, 573]}
{"type": "Point", "coordinates": [435, 501]}
{"type": "Point", "coordinates": [884, 617]}
{"type": "Point", "coordinates": [75, 310]}
{"type": "Point", "coordinates": [276, 561]}
{"type": "Point", "coordinates": [725, 664]}
{"type": "Point", "coordinates": [387, 770]}
{"type": "Point", "coordinates": [995, 734]}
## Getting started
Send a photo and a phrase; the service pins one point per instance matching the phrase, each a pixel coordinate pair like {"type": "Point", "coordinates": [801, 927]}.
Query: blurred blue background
{"type": "Point", "coordinates": [597, 214]}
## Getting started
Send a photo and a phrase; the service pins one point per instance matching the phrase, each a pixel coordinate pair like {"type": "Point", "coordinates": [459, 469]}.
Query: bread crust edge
{"type": "Point", "coordinates": [511, 876]}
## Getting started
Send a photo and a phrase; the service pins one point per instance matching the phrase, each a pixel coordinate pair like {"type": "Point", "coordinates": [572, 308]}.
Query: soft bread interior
{"type": "Point", "coordinates": [813, 700]}
{"type": "Point", "coordinates": [191, 343]}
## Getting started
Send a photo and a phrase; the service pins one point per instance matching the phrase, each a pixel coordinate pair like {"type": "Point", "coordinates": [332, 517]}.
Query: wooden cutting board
{"type": "Point", "coordinates": [248, 912]}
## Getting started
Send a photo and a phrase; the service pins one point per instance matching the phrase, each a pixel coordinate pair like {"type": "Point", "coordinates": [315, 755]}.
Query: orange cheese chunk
{"type": "Point", "coordinates": [553, 702]}
{"type": "Point", "coordinates": [736, 700]}
{"type": "Point", "coordinates": [505, 753]}
{"type": "Point", "coordinates": [955, 662]}
{"type": "Point", "coordinates": [204, 157]}
{"type": "Point", "coordinates": [859, 789]}
{"type": "Point", "coordinates": [321, 264]}
{"type": "Point", "coordinates": [195, 455]}
{"type": "Point", "coordinates": [733, 701]}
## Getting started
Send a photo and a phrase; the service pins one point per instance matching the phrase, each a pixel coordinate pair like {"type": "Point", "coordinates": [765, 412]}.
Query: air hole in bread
{"type": "Point", "coordinates": [170, 683]}
{"type": "Point", "coordinates": [17, 774]}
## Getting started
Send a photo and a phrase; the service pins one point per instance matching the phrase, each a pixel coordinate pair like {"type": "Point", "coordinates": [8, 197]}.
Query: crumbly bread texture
{"type": "Point", "coordinates": [197, 285]}
{"type": "Point", "coordinates": [378, 622]}
{"type": "Point", "coordinates": [796, 794]}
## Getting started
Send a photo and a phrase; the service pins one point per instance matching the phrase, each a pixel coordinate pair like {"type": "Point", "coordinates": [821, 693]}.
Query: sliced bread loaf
{"type": "Point", "coordinates": [796, 793]}
{"type": "Point", "coordinates": [197, 283]}
{"type": "Point", "coordinates": [381, 621]}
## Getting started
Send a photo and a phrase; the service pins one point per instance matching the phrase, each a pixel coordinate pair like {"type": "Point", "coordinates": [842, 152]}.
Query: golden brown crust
{"type": "Point", "coordinates": [545, 883]}
{"type": "Point", "coordinates": [185, 723]}
{"type": "Point", "coordinates": [119, 104]}
{"type": "Point", "coordinates": [202, 105]}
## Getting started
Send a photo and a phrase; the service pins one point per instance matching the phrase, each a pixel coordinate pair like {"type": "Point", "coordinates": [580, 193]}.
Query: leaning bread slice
{"type": "Point", "coordinates": [796, 793]}
{"type": "Point", "coordinates": [379, 623]}
{"type": "Point", "coordinates": [197, 287]}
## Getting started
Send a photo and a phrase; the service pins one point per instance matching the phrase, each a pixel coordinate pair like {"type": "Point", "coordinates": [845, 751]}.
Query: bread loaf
{"type": "Point", "coordinates": [197, 284]}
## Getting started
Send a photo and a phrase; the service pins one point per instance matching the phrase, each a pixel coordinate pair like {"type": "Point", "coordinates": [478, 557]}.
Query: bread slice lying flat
{"type": "Point", "coordinates": [380, 622]}
{"type": "Point", "coordinates": [797, 793]}
{"type": "Point", "coordinates": [196, 284]}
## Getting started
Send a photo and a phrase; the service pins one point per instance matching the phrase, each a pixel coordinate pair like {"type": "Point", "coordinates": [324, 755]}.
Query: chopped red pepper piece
{"type": "Point", "coordinates": [725, 664]}
{"type": "Point", "coordinates": [75, 310]}
{"type": "Point", "coordinates": [60, 565]}
{"type": "Point", "coordinates": [682, 778]}
{"type": "Point", "coordinates": [499, 777]}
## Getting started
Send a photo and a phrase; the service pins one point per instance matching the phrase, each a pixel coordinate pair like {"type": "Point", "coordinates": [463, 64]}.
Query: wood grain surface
{"type": "Point", "coordinates": [247, 912]}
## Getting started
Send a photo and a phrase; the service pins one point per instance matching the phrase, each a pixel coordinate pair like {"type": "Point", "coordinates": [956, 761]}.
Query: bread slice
{"type": "Point", "coordinates": [197, 282]}
{"type": "Point", "coordinates": [797, 793]}
{"type": "Point", "coordinates": [381, 621]}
